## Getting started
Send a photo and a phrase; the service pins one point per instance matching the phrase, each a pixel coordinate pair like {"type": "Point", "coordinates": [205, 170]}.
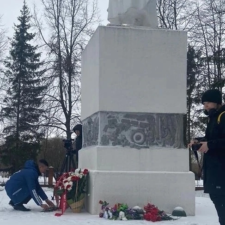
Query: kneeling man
{"type": "Point", "coordinates": [23, 185]}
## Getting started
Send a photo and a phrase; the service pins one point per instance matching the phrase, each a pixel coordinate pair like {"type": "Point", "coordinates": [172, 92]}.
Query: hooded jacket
{"type": "Point", "coordinates": [24, 183]}
{"type": "Point", "coordinates": [214, 159]}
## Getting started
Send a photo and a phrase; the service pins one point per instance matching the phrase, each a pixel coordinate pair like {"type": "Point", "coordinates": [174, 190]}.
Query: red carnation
{"type": "Point", "coordinates": [100, 202]}
{"type": "Point", "coordinates": [154, 211]}
{"type": "Point", "coordinates": [147, 217]}
{"type": "Point", "coordinates": [85, 172]}
{"type": "Point", "coordinates": [154, 218]}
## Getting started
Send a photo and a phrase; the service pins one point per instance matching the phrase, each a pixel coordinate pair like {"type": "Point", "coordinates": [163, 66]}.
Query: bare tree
{"type": "Point", "coordinates": [3, 47]}
{"type": "Point", "coordinates": [3, 41]}
{"type": "Point", "coordinates": [70, 25]}
{"type": "Point", "coordinates": [209, 35]}
{"type": "Point", "coordinates": [175, 14]}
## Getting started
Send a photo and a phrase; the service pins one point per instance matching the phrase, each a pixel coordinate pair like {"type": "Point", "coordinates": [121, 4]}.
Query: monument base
{"type": "Point", "coordinates": [135, 177]}
{"type": "Point", "coordinates": [166, 190]}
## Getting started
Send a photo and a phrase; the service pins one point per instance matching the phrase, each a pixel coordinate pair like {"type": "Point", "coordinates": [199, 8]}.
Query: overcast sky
{"type": "Point", "coordinates": [10, 10]}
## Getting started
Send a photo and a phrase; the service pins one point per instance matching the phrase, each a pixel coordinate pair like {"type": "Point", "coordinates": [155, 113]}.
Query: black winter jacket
{"type": "Point", "coordinates": [214, 159]}
{"type": "Point", "coordinates": [78, 143]}
{"type": "Point", "coordinates": [78, 138]}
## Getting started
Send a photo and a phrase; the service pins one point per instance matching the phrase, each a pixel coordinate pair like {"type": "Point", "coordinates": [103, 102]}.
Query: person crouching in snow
{"type": "Point", "coordinates": [23, 185]}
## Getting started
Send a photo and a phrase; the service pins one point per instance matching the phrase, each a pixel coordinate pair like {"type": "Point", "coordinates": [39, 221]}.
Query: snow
{"type": "Point", "coordinates": [205, 215]}
{"type": "Point", "coordinates": [42, 180]}
{"type": "Point", "coordinates": [179, 209]}
{"type": "Point", "coordinates": [199, 183]}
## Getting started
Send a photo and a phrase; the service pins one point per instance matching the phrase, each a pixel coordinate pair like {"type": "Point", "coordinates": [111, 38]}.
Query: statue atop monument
{"type": "Point", "coordinates": [133, 13]}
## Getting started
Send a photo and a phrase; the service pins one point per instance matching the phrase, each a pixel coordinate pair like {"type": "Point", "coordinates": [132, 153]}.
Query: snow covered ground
{"type": "Point", "coordinates": [205, 215]}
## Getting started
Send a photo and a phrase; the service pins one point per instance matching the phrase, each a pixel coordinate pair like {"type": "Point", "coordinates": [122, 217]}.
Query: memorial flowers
{"type": "Point", "coordinates": [73, 183]}
{"type": "Point", "coordinates": [152, 213]}
{"type": "Point", "coordinates": [70, 189]}
{"type": "Point", "coordinates": [123, 212]}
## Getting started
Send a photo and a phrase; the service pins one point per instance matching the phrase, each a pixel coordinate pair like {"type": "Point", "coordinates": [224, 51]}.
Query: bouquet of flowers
{"type": "Point", "coordinates": [71, 187]}
{"type": "Point", "coordinates": [152, 213]}
{"type": "Point", "coordinates": [116, 212]}
{"type": "Point", "coordinates": [123, 212]}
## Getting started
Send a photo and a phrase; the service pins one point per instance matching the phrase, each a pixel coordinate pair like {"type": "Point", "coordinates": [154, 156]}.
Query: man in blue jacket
{"type": "Point", "coordinates": [23, 185]}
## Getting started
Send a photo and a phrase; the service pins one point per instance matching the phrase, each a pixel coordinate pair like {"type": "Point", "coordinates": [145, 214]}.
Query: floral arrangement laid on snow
{"type": "Point", "coordinates": [70, 190]}
{"type": "Point", "coordinates": [123, 212]}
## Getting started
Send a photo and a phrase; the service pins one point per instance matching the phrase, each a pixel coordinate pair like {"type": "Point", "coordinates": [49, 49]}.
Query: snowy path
{"type": "Point", "coordinates": [205, 215]}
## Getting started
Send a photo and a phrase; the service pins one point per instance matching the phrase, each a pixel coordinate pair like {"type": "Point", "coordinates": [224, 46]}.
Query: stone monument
{"type": "Point", "coordinates": [133, 102]}
{"type": "Point", "coordinates": [133, 13]}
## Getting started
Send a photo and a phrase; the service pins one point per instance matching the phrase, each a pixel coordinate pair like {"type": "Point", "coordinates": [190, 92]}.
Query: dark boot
{"type": "Point", "coordinates": [20, 207]}
{"type": "Point", "coordinates": [11, 203]}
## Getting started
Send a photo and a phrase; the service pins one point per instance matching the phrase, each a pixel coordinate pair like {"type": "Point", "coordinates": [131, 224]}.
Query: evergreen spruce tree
{"type": "Point", "coordinates": [23, 101]}
{"type": "Point", "coordinates": [194, 68]}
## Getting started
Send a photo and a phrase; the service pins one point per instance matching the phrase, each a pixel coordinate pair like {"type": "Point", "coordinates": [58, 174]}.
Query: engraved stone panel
{"type": "Point", "coordinates": [136, 130]}
{"type": "Point", "coordinates": [91, 130]}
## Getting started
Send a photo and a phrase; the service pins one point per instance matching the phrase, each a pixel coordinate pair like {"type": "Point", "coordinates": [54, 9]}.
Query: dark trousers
{"type": "Point", "coordinates": [219, 202]}
{"type": "Point", "coordinates": [25, 201]}
{"type": "Point", "coordinates": [77, 159]}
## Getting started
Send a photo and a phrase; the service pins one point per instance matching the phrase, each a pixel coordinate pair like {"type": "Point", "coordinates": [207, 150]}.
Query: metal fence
{"type": "Point", "coordinates": [46, 180]}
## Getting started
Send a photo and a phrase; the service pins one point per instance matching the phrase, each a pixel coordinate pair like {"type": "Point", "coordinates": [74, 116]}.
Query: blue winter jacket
{"type": "Point", "coordinates": [24, 183]}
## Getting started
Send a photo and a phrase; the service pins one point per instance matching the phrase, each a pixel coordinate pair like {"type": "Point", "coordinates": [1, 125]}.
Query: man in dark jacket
{"type": "Point", "coordinates": [214, 149]}
{"type": "Point", "coordinates": [23, 185]}
{"type": "Point", "coordinates": [78, 142]}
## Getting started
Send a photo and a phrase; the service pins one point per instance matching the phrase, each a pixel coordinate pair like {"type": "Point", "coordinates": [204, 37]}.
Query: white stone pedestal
{"type": "Point", "coordinates": [133, 101]}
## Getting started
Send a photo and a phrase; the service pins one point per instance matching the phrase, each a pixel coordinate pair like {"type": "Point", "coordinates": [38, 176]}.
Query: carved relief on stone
{"type": "Point", "coordinates": [136, 130]}
{"type": "Point", "coordinates": [133, 13]}
{"type": "Point", "coordinates": [91, 131]}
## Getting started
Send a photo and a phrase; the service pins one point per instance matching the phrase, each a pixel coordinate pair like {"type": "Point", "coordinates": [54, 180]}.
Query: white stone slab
{"type": "Point", "coordinates": [129, 159]}
{"type": "Point", "coordinates": [165, 190]}
{"type": "Point", "coordinates": [134, 70]}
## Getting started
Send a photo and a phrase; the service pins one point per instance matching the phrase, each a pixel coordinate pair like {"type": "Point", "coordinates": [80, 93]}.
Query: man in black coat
{"type": "Point", "coordinates": [213, 148]}
{"type": "Point", "coordinates": [78, 142]}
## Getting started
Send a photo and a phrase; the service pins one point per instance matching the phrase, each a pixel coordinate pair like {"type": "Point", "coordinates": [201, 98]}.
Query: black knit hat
{"type": "Point", "coordinates": [78, 127]}
{"type": "Point", "coordinates": [44, 162]}
{"type": "Point", "coordinates": [213, 95]}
